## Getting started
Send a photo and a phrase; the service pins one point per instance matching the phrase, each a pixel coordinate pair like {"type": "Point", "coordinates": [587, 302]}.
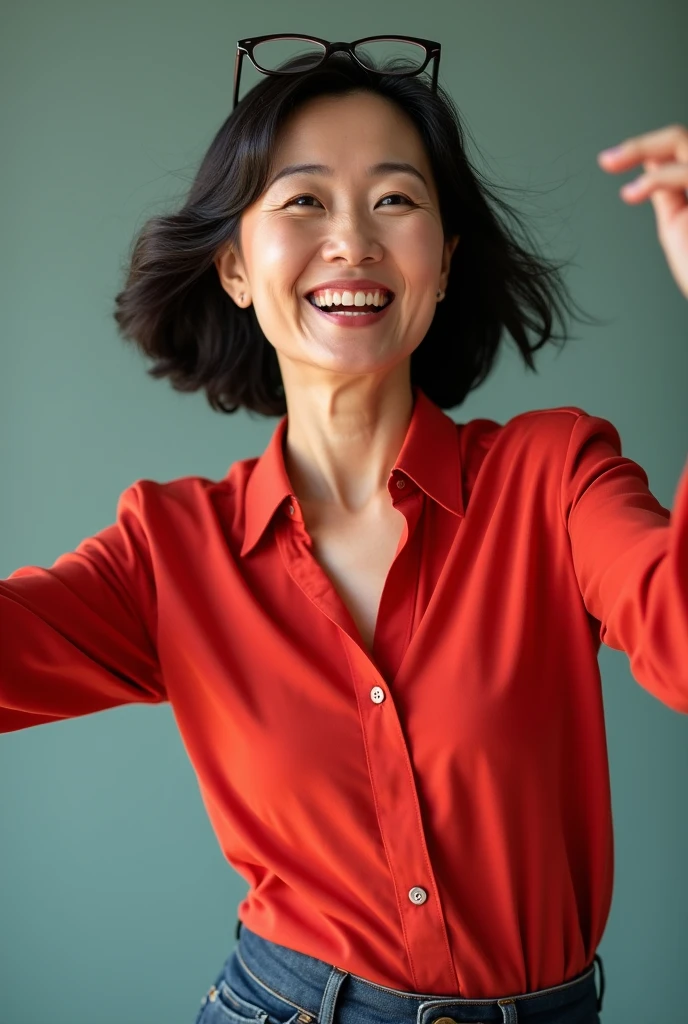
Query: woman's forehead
{"type": "Point", "coordinates": [361, 108]}
{"type": "Point", "coordinates": [362, 129]}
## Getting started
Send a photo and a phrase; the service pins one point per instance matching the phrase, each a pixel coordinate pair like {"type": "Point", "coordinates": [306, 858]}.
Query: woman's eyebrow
{"type": "Point", "coordinates": [386, 167]}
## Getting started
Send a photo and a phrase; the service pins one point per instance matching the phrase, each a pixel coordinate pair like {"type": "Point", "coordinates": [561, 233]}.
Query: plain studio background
{"type": "Point", "coordinates": [116, 906]}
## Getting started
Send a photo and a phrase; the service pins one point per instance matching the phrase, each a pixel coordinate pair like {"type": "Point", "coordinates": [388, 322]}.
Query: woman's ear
{"type": "Point", "coordinates": [449, 247]}
{"type": "Point", "coordinates": [232, 277]}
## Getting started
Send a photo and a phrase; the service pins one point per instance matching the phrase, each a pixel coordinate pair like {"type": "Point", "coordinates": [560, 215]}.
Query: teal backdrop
{"type": "Point", "coordinates": [116, 906]}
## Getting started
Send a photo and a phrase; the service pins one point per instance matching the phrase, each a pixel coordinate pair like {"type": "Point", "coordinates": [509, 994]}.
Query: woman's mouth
{"type": "Point", "coordinates": [348, 316]}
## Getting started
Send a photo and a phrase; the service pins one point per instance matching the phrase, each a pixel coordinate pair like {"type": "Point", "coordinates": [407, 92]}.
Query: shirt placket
{"type": "Point", "coordinates": [399, 816]}
{"type": "Point", "coordinates": [390, 768]}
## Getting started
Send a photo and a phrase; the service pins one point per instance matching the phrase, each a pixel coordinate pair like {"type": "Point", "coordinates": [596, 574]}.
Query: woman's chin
{"type": "Point", "coordinates": [350, 355]}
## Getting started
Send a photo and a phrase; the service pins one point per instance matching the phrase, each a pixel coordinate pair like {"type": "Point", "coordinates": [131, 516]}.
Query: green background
{"type": "Point", "coordinates": [116, 906]}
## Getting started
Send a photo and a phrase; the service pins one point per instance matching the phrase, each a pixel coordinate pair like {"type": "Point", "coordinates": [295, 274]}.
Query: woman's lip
{"type": "Point", "coordinates": [350, 321]}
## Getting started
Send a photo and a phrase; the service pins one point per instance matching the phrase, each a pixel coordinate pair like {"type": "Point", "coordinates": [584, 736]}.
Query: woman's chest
{"type": "Point", "coordinates": [356, 553]}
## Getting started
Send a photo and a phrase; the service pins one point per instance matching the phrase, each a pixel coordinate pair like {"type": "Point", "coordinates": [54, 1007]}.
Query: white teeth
{"type": "Point", "coordinates": [344, 298]}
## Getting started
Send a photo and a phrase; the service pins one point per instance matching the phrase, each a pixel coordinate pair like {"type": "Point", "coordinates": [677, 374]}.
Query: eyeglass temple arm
{"type": "Point", "coordinates": [435, 70]}
{"type": "Point", "coordinates": [237, 67]}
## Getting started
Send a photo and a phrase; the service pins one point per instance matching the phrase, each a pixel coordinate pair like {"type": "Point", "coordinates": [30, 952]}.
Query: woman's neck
{"type": "Point", "coordinates": [341, 442]}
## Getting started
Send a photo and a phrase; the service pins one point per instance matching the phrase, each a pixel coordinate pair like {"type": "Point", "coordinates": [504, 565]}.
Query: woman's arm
{"type": "Point", "coordinates": [80, 636]}
{"type": "Point", "coordinates": [630, 556]}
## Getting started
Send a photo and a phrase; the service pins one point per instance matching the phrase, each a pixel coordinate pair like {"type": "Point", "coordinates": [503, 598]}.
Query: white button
{"type": "Point", "coordinates": [291, 510]}
{"type": "Point", "coordinates": [417, 895]}
{"type": "Point", "coordinates": [401, 483]}
{"type": "Point", "coordinates": [377, 695]}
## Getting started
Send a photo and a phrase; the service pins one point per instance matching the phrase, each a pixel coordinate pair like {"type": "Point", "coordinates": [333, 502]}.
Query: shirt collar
{"type": "Point", "coordinates": [429, 456]}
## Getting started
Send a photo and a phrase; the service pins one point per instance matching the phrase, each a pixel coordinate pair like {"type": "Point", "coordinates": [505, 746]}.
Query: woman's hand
{"type": "Point", "coordinates": [664, 156]}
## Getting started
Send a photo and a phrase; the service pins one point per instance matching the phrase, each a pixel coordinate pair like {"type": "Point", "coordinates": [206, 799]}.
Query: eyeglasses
{"type": "Point", "coordinates": [264, 51]}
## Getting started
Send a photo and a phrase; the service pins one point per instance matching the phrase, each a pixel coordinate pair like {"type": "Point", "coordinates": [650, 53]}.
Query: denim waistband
{"type": "Point", "coordinates": [317, 989]}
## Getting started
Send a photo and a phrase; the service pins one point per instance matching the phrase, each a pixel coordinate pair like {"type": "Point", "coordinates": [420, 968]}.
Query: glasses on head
{"type": "Point", "coordinates": [404, 56]}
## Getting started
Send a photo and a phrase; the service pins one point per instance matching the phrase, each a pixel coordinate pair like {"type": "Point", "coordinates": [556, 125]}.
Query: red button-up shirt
{"type": "Point", "coordinates": [436, 817]}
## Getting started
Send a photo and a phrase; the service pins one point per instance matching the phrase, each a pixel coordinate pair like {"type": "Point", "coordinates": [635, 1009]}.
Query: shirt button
{"type": "Point", "coordinates": [377, 695]}
{"type": "Point", "coordinates": [417, 895]}
{"type": "Point", "coordinates": [401, 483]}
{"type": "Point", "coordinates": [290, 509]}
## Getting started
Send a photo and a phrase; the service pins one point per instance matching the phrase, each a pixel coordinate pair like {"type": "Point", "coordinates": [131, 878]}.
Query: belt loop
{"type": "Point", "coordinates": [508, 1008]}
{"type": "Point", "coordinates": [329, 999]}
{"type": "Point", "coordinates": [598, 960]}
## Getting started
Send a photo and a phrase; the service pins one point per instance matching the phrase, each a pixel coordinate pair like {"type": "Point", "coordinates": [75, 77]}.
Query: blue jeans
{"type": "Point", "coordinates": [264, 982]}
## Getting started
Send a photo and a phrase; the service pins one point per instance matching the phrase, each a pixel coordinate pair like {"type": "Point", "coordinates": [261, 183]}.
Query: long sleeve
{"type": "Point", "coordinates": [630, 556]}
{"type": "Point", "coordinates": [79, 637]}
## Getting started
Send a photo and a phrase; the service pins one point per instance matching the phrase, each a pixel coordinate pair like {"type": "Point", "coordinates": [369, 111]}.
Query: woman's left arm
{"type": "Point", "coordinates": [630, 554]}
{"type": "Point", "coordinates": [664, 156]}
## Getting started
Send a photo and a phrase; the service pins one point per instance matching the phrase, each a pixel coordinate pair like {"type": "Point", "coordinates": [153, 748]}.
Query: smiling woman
{"type": "Point", "coordinates": [376, 636]}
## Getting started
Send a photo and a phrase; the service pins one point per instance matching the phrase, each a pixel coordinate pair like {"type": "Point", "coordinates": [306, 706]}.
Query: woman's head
{"type": "Point", "coordinates": [307, 229]}
{"type": "Point", "coordinates": [239, 232]}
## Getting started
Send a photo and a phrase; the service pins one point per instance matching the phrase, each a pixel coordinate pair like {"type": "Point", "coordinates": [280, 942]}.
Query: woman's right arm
{"type": "Point", "coordinates": [80, 636]}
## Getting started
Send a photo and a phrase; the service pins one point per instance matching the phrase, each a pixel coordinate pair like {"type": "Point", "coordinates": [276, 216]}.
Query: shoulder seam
{"type": "Point", "coordinates": [574, 410]}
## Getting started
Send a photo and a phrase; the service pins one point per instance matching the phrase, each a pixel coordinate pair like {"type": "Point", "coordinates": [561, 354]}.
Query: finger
{"type": "Point", "coordinates": [664, 144]}
{"type": "Point", "coordinates": [668, 176]}
{"type": "Point", "coordinates": [666, 186]}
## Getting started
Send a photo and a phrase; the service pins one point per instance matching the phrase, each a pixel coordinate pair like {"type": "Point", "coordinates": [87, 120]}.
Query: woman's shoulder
{"type": "Point", "coordinates": [525, 440]}
{"type": "Point", "coordinates": [186, 496]}
{"type": "Point", "coordinates": [531, 425]}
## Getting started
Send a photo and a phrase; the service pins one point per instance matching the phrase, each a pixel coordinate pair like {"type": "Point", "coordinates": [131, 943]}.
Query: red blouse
{"type": "Point", "coordinates": [435, 818]}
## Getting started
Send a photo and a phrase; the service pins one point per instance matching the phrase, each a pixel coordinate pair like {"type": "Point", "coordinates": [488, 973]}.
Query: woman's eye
{"type": "Point", "coordinates": [296, 199]}
{"type": "Point", "coordinates": [395, 195]}
{"type": "Point", "coordinates": [398, 195]}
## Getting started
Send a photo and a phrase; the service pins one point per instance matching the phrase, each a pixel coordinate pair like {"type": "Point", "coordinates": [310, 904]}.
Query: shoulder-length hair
{"type": "Point", "coordinates": [175, 310]}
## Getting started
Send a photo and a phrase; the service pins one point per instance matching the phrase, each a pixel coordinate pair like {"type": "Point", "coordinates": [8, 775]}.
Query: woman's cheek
{"type": "Point", "coordinates": [273, 251]}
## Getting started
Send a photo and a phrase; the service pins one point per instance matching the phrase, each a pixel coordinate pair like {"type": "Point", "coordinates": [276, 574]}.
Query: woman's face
{"type": "Point", "coordinates": [309, 228]}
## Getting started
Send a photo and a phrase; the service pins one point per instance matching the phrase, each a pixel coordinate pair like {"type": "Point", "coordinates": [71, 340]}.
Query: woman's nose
{"type": "Point", "coordinates": [354, 237]}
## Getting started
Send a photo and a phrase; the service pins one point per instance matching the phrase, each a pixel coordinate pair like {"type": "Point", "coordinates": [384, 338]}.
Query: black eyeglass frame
{"type": "Point", "coordinates": [245, 49]}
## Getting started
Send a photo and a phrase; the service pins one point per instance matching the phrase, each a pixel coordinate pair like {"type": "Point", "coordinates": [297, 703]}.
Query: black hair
{"type": "Point", "coordinates": [175, 310]}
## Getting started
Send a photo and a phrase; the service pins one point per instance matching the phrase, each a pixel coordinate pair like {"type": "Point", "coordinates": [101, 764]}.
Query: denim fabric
{"type": "Point", "coordinates": [262, 982]}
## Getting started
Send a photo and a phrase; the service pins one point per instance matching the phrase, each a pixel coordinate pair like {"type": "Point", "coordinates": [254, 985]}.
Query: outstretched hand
{"type": "Point", "coordinates": [664, 156]}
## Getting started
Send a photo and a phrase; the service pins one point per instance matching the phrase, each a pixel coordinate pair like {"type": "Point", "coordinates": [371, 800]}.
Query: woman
{"type": "Point", "coordinates": [376, 638]}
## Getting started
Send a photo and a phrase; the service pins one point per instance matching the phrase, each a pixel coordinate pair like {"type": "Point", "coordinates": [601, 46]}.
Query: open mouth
{"type": "Point", "coordinates": [350, 315]}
